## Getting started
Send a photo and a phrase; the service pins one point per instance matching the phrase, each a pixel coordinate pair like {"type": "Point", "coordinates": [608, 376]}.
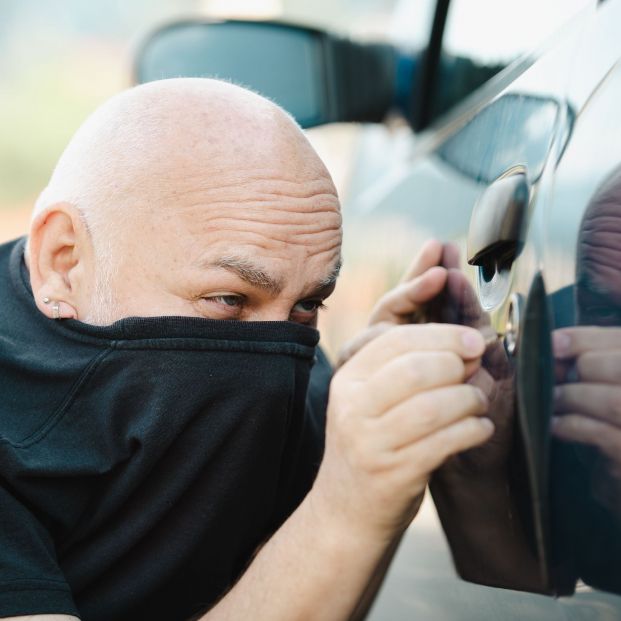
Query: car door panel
{"type": "Point", "coordinates": [567, 148]}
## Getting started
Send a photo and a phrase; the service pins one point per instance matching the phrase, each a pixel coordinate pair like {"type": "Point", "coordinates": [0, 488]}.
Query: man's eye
{"type": "Point", "coordinates": [223, 306]}
{"type": "Point", "coordinates": [306, 312]}
{"type": "Point", "coordinates": [308, 306]}
{"type": "Point", "coordinates": [233, 301]}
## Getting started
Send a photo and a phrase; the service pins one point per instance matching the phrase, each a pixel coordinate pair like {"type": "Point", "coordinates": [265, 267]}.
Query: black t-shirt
{"type": "Point", "coordinates": [142, 463]}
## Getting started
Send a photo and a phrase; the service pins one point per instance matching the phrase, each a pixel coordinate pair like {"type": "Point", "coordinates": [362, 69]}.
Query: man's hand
{"type": "Point", "coordinates": [422, 282]}
{"type": "Point", "coordinates": [588, 409]}
{"type": "Point", "coordinates": [397, 410]}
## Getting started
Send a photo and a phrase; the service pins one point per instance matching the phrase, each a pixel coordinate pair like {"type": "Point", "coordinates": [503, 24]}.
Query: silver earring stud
{"type": "Point", "coordinates": [56, 310]}
{"type": "Point", "coordinates": [46, 300]}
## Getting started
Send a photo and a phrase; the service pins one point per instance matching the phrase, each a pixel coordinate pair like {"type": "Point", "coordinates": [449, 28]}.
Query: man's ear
{"type": "Point", "coordinates": [60, 259]}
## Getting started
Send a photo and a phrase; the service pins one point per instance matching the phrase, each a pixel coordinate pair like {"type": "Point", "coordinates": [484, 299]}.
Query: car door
{"type": "Point", "coordinates": [581, 260]}
{"type": "Point", "coordinates": [515, 179]}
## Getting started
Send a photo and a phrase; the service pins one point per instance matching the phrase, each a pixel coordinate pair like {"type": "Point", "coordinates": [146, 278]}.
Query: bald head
{"type": "Point", "coordinates": [174, 161]}
{"type": "Point", "coordinates": [151, 142]}
{"type": "Point", "coordinates": [599, 259]}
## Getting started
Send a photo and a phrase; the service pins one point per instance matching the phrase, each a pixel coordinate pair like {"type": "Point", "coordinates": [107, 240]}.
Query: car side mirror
{"type": "Point", "coordinates": [317, 77]}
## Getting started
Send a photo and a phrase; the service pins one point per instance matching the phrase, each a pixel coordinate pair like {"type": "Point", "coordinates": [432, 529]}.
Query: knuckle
{"type": "Point", "coordinates": [425, 461]}
{"type": "Point", "coordinates": [393, 336]}
{"type": "Point", "coordinates": [476, 399]}
{"type": "Point", "coordinates": [478, 433]}
{"type": "Point", "coordinates": [585, 363]}
{"type": "Point", "coordinates": [464, 435]}
{"type": "Point", "coordinates": [452, 365]}
{"type": "Point", "coordinates": [425, 413]}
{"type": "Point", "coordinates": [413, 369]}
{"type": "Point", "coordinates": [615, 405]}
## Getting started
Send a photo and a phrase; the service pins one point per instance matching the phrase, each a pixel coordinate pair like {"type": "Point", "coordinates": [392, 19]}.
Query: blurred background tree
{"type": "Point", "coordinates": [59, 59]}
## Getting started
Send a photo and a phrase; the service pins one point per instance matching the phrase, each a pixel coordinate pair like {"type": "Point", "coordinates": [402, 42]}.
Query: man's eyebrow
{"type": "Point", "coordinates": [330, 280]}
{"type": "Point", "coordinates": [256, 276]}
{"type": "Point", "coordinates": [249, 272]}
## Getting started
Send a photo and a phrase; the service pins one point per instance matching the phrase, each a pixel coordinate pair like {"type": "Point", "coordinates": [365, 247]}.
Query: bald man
{"type": "Point", "coordinates": [160, 445]}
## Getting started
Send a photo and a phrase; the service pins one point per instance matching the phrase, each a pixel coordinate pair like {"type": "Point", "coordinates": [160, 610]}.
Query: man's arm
{"type": "Point", "coordinates": [314, 567]}
{"type": "Point", "coordinates": [397, 410]}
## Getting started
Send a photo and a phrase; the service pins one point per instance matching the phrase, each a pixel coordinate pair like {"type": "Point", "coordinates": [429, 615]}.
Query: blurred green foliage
{"type": "Point", "coordinates": [58, 60]}
{"type": "Point", "coordinates": [38, 113]}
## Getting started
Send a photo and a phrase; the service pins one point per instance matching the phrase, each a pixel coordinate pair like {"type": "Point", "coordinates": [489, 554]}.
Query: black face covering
{"type": "Point", "coordinates": [141, 464]}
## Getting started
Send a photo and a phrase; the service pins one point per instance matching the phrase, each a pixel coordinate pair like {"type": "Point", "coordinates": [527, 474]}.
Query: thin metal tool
{"type": "Point", "coordinates": [490, 336]}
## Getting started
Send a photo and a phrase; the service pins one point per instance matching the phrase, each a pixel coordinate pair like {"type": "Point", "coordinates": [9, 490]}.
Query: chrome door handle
{"type": "Point", "coordinates": [496, 233]}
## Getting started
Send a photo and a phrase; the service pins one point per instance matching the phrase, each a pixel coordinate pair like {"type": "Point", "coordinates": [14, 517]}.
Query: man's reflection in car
{"type": "Point", "coordinates": [588, 396]}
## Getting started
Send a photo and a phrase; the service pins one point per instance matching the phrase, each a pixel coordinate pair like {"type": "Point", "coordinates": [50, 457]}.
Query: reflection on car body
{"type": "Point", "coordinates": [587, 402]}
{"type": "Point", "coordinates": [549, 519]}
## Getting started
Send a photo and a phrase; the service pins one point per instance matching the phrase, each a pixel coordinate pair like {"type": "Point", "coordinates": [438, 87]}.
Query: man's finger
{"type": "Point", "coordinates": [564, 371]}
{"type": "Point", "coordinates": [467, 343]}
{"type": "Point", "coordinates": [600, 366]}
{"type": "Point", "coordinates": [432, 451]}
{"type": "Point", "coordinates": [465, 300]}
{"type": "Point", "coordinates": [484, 382]}
{"type": "Point", "coordinates": [359, 341]}
{"type": "Point", "coordinates": [572, 342]}
{"type": "Point", "coordinates": [400, 303]}
{"type": "Point", "coordinates": [602, 401]}
{"type": "Point", "coordinates": [450, 256]}
{"type": "Point", "coordinates": [429, 255]}
{"type": "Point", "coordinates": [585, 430]}
{"type": "Point", "coordinates": [410, 374]}
{"type": "Point", "coordinates": [427, 412]}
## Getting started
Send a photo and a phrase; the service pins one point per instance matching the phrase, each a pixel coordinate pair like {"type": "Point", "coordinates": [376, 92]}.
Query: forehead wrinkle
{"type": "Point", "coordinates": [211, 190]}
{"type": "Point", "coordinates": [314, 244]}
{"type": "Point", "coordinates": [291, 227]}
{"type": "Point", "coordinates": [214, 181]}
{"type": "Point", "coordinates": [268, 183]}
{"type": "Point", "coordinates": [267, 213]}
{"type": "Point", "coordinates": [275, 208]}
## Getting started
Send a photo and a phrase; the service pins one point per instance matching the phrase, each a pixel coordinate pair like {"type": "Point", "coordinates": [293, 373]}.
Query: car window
{"type": "Point", "coordinates": [492, 32]}
{"type": "Point", "coordinates": [483, 37]}
{"type": "Point", "coordinates": [523, 128]}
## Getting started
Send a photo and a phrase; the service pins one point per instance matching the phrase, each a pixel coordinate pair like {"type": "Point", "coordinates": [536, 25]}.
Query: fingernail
{"type": "Point", "coordinates": [555, 423]}
{"type": "Point", "coordinates": [487, 424]}
{"type": "Point", "coordinates": [473, 341]}
{"type": "Point", "coordinates": [561, 342]}
{"type": "Point", "coordinates": [482, 396]}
